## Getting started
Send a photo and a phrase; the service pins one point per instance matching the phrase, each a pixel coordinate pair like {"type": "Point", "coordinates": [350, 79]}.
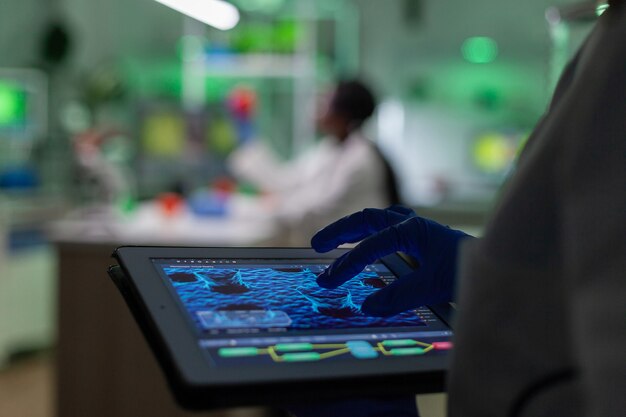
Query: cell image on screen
{"type": "Point", "coordinates": [277, 296]}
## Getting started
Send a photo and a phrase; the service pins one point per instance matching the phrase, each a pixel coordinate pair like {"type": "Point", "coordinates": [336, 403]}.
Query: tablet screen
{"type": "Point", "coordinates": [272, 310]}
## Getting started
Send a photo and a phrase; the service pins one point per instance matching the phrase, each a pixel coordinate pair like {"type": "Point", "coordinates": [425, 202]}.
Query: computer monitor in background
{"type": "Point", "coordinates": [23, 114]}
{"type": "Point", "coordinates": [23, 104]}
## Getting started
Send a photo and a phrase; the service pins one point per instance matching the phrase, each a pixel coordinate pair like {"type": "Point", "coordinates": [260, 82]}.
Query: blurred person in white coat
{"type": "Point", "coordinates": [342, 173]}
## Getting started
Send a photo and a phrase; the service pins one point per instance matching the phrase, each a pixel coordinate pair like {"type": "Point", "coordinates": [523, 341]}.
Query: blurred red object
{"type": "Point", "coordinates": [170, 203]}
{"type": "Point", "coordinates": [242, 102]}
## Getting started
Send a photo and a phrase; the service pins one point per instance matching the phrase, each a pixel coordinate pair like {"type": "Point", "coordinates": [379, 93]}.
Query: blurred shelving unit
{"type": "Point", "coordinates": [299, 67]}
{"type": "Point", "coordinates": [279, 59]}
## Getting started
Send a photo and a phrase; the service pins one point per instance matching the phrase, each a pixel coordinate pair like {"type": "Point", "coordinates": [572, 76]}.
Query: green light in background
{"type": "Point", "coordinates": [479, 50]}
{"type": "Point", "coordinates": [601, 8]}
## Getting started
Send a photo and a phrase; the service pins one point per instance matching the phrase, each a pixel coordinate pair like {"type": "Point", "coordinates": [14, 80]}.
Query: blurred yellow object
{"type": "Point", "coordinates": [493, 153]}
{"type": "Point", "coordinates": [222, 137]}
{"type": "Point", "coordinates": [163, 134]}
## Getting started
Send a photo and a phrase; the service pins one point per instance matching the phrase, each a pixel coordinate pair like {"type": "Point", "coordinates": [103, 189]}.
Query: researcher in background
{"type": "Point", "coordinates": [541, 327]}
{"type": "Point", "coordinates": [342, 173]}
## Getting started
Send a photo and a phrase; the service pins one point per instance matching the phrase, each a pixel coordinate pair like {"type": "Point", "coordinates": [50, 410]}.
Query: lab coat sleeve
{"type": "Point", "coordinates": [593, 178]}
{"type": "Point", "coordinates": [347, 182]}
{"type": "Point", "coordinates": [255, 163]}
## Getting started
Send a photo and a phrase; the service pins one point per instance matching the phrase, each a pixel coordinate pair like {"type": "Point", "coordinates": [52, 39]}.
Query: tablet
{"type": "Point", "coordinates": [250, 326]}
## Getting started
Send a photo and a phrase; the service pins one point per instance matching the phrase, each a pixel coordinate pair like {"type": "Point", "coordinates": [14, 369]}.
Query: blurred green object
{"type": "Point", "coordinates": [150, 78]}
{"type": "Point", "coordinates": [264, 37]}
{"type": "Point", "coordinates": [127, 204]}
{"type": "Point", "coordinates": [261, 37]}
{"type": "Point", "coordinates": [480, 50]}
{"type": "Point", "coordinates": [489, 98]}
{"type": "Point", "coordinates": [12, 105]}
{"type": "Point", "coordinates": [286, 35]}
{"type": "Point", "coordinates": [216, 88]}
{"type": "Point", "coordinates": [254, 37]}
{"type": "Point", "coordinates": [248, 189]}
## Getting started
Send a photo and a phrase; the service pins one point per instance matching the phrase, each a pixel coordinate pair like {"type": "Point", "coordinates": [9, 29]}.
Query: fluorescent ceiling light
{"type": "Point", "coordinates": [216, 13]}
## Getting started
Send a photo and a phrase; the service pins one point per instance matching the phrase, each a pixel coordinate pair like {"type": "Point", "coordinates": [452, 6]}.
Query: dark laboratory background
{"type": "Point", "coordinates": [118, 118]}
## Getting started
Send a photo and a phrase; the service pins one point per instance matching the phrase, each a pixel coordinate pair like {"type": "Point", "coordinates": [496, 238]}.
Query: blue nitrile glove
{"type": "Point", "coordinates": [395, 229]}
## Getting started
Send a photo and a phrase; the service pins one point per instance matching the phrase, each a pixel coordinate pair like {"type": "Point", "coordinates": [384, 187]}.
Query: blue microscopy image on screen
{"type": "Point", "coordinates": [264, 297]}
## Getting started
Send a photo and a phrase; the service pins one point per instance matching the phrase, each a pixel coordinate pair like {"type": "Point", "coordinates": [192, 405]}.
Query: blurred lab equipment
{"type": "Point", "coordinates": [103, 155]}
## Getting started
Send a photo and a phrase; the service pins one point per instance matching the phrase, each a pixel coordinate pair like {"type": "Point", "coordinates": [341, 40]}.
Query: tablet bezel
{"type": "Point", "coordinates": [198, 385]}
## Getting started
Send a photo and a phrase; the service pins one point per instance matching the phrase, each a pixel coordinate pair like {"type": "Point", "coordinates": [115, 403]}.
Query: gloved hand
{"type": "Point", "coordinates": [395, 229]}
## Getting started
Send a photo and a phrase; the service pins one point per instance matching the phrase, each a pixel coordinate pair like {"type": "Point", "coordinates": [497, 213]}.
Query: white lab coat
{"type": "Point", "coordinates": [323, 184]}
